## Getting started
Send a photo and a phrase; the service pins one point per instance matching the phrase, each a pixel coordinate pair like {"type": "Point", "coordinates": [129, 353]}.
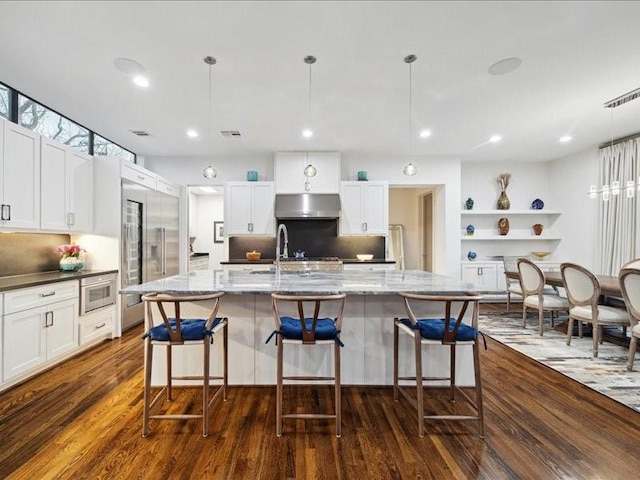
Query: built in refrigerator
{"type": "Point", "coordinates": [149, 243]}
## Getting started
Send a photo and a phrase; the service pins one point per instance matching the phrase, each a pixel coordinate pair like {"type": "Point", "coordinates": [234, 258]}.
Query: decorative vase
{"type": "Point", "coordinates": [471, 255]}
{"type": "Point", "coordinates": [70, 264]}
{"type": "Point", "coordinates": [503, 201]}
{"type": "Point", "coordinates": [537, 204]}
{"type": "Point", "coordinates": [469, 204]}
{"type": "Point", "coordinates": [470, 230]}
{"type": "Point", "coordinates": [537, 228]}
{"type": "Point", "coordinates": [503, 226]}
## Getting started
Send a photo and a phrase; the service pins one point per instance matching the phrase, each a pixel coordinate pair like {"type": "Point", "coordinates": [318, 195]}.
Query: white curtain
{"type": "Point", "coordinates": [616, 218]}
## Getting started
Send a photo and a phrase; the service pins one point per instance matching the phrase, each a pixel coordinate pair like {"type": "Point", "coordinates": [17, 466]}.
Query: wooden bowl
{"type": "Point", "coordinates": [253, 256]}
{"type": "Point", "coordinates": [540, 255]}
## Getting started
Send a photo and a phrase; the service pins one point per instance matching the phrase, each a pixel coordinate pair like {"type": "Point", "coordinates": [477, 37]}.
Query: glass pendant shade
{"type": "Point", "coordinates": [410, 169]}
{"type": "Point", "coordinates": [209, 172]}
{"type": "Point", "coordinates": [310, 171]}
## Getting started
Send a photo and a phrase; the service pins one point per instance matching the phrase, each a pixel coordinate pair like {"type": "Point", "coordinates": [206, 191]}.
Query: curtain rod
{"type": "Point", "coordinates": [619, 140]}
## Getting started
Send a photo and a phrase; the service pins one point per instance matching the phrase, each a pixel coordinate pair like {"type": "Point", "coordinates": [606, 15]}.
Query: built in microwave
{"type": "Point", "coordinates": [97, 292]}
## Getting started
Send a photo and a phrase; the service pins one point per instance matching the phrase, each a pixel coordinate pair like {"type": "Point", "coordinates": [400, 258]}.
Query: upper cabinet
{"type": "Point", "coordinates": [365, 208]}
{"type": "Point", "coordinates": [67, 192]}
{"type": "Point", "coordinates": [289, 172]}
{"type": "Point", "coordinates": [19, 177]}
{"type": "Point", "coordinates": [249, 208]}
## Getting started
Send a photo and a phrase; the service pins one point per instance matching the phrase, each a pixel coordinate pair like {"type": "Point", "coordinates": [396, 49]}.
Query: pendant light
{"type": "Point", "coordinates": [410, 169]}
{"type": "Point", "coordinates": [210, 172]}
{"type": "Point", "coordinates": [309, 170]}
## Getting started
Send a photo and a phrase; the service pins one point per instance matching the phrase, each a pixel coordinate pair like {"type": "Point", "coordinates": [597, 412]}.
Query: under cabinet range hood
{"type": "Point", "coordinates": [307, 205]}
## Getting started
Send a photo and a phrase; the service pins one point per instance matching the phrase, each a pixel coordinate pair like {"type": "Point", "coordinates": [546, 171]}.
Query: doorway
{"type": "Point", "coordinates": [206, 245]}
{"type": "Point", "coordinates": [427, 232]}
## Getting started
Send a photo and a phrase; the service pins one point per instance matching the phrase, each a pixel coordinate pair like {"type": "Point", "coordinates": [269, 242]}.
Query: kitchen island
{"type": "Point", "coordinates": [367, 329]}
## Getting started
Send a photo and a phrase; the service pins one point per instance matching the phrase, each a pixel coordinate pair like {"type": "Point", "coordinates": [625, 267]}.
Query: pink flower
{"type": "Point", "coordinates": [69, 250]}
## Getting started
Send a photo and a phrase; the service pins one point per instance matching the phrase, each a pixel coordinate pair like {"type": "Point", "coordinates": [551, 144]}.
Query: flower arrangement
{"type": "Point", "coordinates": [70, 250]}
{"type": "Point", "coordinates": [503, 181]}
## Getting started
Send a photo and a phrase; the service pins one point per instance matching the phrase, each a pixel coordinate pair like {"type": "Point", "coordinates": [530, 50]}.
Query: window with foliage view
{"type": "Point", "coordinates": [4, 102]}
{"type": "Point", "coordinates": [52, 125]}
{"type": "Point", "coordinates": [102, 146]}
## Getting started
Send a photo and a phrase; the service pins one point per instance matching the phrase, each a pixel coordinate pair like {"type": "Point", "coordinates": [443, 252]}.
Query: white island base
{"type": "Point", "coordinates": [367, 357]}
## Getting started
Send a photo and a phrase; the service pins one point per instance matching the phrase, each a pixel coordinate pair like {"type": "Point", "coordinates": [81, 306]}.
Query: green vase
{"type": "Point", "coordinates": [503, 201]}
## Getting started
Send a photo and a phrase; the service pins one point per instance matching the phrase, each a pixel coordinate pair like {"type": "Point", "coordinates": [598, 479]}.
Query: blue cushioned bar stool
{"type": "Point", "coordinates": [175, 331]}
{"type": "Point", "coordinates": [308, 330]}
{"type": "Point", "coordinates": [443, 329]}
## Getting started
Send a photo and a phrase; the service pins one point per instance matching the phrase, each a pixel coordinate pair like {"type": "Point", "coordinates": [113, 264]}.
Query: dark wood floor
{"type": "Point", "coordinates": [83, 420]}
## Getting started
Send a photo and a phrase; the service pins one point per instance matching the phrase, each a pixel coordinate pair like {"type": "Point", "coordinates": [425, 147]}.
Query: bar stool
{"type": "Point", "coordinates": [440, 330]}
{"type": "Point", "coordinates": [303, 330]}
{"type": "Point", "coordinates": [177, 331]}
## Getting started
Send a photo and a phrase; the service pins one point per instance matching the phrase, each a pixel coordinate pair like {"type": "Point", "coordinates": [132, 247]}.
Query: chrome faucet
{"type": "Point", "coordinates": [285, 253]}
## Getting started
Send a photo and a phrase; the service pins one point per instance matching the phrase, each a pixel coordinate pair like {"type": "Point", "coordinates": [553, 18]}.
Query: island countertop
{"type": "Point", "coordinates": [372, 282]}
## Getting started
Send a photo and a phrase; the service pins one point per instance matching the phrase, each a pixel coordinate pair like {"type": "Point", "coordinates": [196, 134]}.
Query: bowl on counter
{"type": "Point", "coordinates": [363, 257]}
{"type": "Point", "coordinates": [253, 256]}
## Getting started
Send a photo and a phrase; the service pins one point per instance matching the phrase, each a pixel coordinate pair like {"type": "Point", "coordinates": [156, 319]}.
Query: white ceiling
{"type": "Point", "coordinates": [576, 56]}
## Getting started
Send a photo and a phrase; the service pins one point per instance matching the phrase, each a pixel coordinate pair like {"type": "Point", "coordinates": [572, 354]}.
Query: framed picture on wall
{"type": "Point", "coordinates": [218, 232]}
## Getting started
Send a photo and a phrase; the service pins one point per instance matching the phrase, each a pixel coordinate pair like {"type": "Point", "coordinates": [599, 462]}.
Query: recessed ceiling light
{"type": "Point", "coordinates": [495, 139]}
{"type": "Point", "coordinates": [141, 81]}
{"type": "Point", "coordinates": [425, 133]}
{"type": "Point", "coordinates": [505, 66]}
{"type": "Point", "coordinates": [192, 133]}
{"type": "Point", "coordinates": [307, 133]}
{"type": "Point", "coordinates": [566, 138]}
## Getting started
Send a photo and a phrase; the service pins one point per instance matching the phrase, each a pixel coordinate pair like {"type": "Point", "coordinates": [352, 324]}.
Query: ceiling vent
{"type": "Point", "coordinates": [230, 133]}
{"type": "Point", "coordinates": [140, 133]}
{"type": "Point", "coordinates": [627, 97]}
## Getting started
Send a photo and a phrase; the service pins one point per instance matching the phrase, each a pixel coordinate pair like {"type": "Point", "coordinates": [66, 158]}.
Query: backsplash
{"type": "Point", "coordinates": [317, 238]}
{"type": "Point", "coordinates": [22, 253]}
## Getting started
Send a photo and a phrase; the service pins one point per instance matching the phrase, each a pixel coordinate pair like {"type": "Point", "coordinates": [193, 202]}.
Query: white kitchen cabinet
{"type": "Point", "coordinates": [249, 208]}
{"type": "Point", "coordinates": [67, 192]}
{"type": "Point", "coordinates": [289, 172]}
{"type": "Point", "coordinates": [97, 325]}
{"type": "Point", "coordinates": [36, 335]}
{"type": "Point", "coordinates": [483, 275]}
{"type": "Point", "coordinates": [19, 177]}
{"type": "Point", "coordinates": [39, 324]}
{"type": "Point", "coordinates": [365, 208]}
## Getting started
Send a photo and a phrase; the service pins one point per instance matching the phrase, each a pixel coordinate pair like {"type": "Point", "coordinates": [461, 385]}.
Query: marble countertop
{"type": "Point", "coordinates": [372, 282]}
{"type": "Point", "coordinates": [34, 279]}
{"type": "Point", "coordinates": [240, 261]}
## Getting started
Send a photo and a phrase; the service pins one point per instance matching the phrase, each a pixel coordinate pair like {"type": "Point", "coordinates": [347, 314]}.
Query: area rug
{"type": "Point", "coordinates": [606, 374]}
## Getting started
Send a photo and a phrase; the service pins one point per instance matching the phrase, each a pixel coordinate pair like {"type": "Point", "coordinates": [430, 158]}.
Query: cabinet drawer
{"type": "Point", "coordinates": [25, 298]}
{"type": "Point", "coordinates": [97, 325]}
{"type": "Point", "coordinates": [139, 176]}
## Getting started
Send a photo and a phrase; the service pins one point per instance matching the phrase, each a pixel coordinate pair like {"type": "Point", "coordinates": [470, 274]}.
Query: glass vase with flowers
{"type": "Point", "coordinates": [71, 257]}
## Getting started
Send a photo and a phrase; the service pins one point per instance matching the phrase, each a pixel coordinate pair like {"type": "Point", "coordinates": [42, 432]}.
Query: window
{"type": "Point", "coordinates": [102, 146]}
{"type": "Point", "coordinates": [52, 125]}
{"type": "Point", "coordinates": [5, 108]}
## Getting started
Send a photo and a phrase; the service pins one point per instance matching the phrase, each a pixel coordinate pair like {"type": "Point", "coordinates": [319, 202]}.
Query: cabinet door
{"type": "Point", "coordinates": [482, 275]}
{"type": "Point", "coordinates": [375, 204]}
{"type": "Point", "coordinates": [21, 179]}
{"type": "Point", "coordinates": [53, 192]}
{"type": "Point", "coordinates": [237, 207]}
{"type": "Point", "coordinates": [79, 191]}
{"type": "Point", "coordinates": [288, 171]}
{"type": "Point", "coordinates": [327, 178]}
{"type": "Point", "coordinates": [262, 211]}
{"type": "Point", "coordinates": [61, 328]}
{"type": "Point", "coordinates": [24, 341]}
{"type": "Point", "coordinates": [351, 221]}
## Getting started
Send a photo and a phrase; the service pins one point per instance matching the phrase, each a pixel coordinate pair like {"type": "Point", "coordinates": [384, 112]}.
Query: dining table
{"type": "Point", "coordinates": [609, 286]}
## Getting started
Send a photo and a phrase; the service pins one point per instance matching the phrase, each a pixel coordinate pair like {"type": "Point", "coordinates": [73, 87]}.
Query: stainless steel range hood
{"type": "Point", "coordinates": [307, 206]}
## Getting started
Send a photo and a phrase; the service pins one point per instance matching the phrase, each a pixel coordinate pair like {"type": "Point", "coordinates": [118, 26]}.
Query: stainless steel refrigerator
{"type": "Point", "coordinates": [149, 243]}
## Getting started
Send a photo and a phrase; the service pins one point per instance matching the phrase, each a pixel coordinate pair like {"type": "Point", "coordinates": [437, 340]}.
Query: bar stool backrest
{"type": "Point", "coordinates": [160, 299]}
{"type": "Point", "coordinates": [308, 336]}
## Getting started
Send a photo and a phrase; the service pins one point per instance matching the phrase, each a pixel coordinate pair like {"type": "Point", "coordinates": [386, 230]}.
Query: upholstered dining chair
{"type": "Point", "coordinates": [173, 330]}
{"type": "Point", "coordinates": [632, 264]}
{"type": "Point", "coordinates": [583, 291]}
{"type": "Point", "coordinates": [532, 286]}
{"type": "Point", "coordinates": [446, 329]}
{"type": "Point", "coordinates": [630, 286]}
{"type": "Point", "coordinates": [304, 330]}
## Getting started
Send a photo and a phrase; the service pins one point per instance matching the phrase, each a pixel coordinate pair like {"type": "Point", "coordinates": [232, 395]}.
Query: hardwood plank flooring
{"type": "Point", "coordinates": [83, 419]}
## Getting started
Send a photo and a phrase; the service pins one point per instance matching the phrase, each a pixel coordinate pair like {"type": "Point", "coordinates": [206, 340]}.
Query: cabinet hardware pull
{"type": "Point", "coordinates": [42, 295]}
{"type": "Point", "coordinates": [3, 210]}
{"type": "Point", "coordinates": [71, 219]}
{"type": "Point", "coordinates": [48, 316]}
{"type": "Point", "coordinates": [101, 325]}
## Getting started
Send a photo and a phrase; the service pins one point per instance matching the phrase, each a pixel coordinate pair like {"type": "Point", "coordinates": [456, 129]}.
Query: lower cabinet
{"type": "Point", "coordinates": [97, 325]}
{"type": "Point", "coordinates": [36, 335]}
{"type": "Point", "coordinates": [483, 275]}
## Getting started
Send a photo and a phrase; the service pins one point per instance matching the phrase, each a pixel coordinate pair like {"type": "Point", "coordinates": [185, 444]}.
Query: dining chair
{"type": "Point", "coordinates": [583, 292]}
{"type": "Point", "coordinates": [512, 285]}
{"type": "Point", "coordinates": [177, 331]}
{"type": "Point", "coordinates": [632, 264]}
{"type": "Point", "coordinates": [304, 331]}
{"type": "Point", "coordinates": [446, 329]}
{"type": "Point", "coordinates": [630, 286]}
{"type": "Point", "coordinates": [532, 286]}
